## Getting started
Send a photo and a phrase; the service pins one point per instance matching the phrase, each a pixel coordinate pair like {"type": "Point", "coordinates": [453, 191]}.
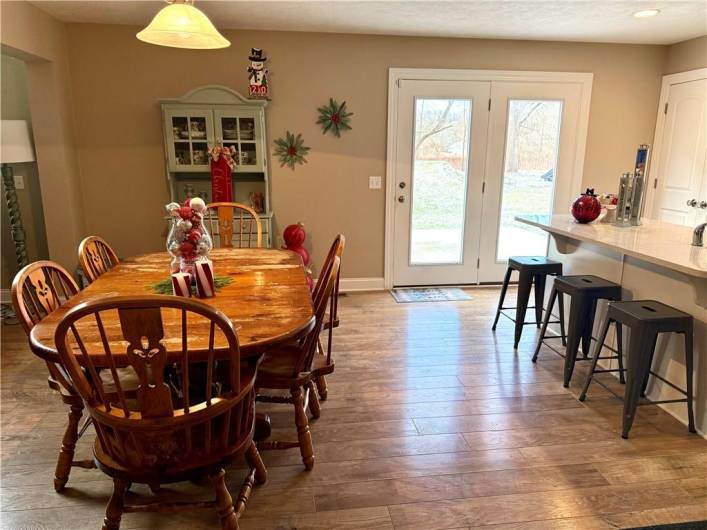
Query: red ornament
{"type": "Point", "coordinates": [194, 236]}
{"type": "Point", "coordinates": [186, 213]}
{"type": "Point", "coordinates": [587, 207]}
{"type": "Point", "coordinates": [294, 235]}
{"type": "Point", "coordinates": [187, 249]}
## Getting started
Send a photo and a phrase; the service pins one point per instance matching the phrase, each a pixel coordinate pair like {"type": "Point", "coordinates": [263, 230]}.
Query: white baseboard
{"type": "Point", "coordinates": [360, 284]}
{"type": "Point", "coordinates": [5, 296]}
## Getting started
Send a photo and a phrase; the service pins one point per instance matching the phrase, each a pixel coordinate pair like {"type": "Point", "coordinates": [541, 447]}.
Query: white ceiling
{"type": "Point", "coordinates": [559, 20]}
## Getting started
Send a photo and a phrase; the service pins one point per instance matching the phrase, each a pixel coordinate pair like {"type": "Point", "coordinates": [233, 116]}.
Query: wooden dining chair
{"type": "Point", "coordinates": [37, 290]}
{"type": "Point", "coordinates": [229, 220]}
{"type": "Point", "coordinates": [331, 320]}
{"type": "Point", "coordinates": [292, 367]}
{"type": "Point", "coordinates": [96, 257]}
{"type": "Point", "coordinates": [185, 430]}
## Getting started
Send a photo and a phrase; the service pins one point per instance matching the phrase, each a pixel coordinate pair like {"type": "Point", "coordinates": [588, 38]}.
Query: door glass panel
{"type": "Point", "coordinates": [530, 164]}
{"type": "Point", "coordinates": [439, 179]}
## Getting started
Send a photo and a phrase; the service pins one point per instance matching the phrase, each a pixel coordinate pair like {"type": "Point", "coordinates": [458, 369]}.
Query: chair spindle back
{"type": "Point", "coordinates": [235, 224]}
{"type": "Point", "coordinates": [191, 409]}
{"type": "Point", "coordinates": [336, 250]}
{"type": "Point", "coordinates": [96, 257]}
{"type": "Point", "coordinates": [37, 290]}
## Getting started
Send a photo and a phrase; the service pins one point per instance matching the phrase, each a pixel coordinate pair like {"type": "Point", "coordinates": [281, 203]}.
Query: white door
{"type": "Point", "coordinates": [531, 167]}
{"type": "Point", "coordinates": [681, 193]}
{"type": "Point", "coordinates": [440, 154]}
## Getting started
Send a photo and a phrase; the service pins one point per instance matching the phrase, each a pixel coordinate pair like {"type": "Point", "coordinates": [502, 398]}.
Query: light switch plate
{"type": "Point", "coordinates": [374, 182]}
{"type": "Point", "coordinates": [19, 182]}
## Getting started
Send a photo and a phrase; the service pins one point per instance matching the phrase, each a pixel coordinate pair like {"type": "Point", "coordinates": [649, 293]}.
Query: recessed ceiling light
{"type": "Point", "coordinates": [646, 13]}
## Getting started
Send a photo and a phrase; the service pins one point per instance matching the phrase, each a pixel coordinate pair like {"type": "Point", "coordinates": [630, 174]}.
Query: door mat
{"type": "Point", "coordinates": [695, 525]}
{"type": "Point", "coordinates": [433, 294]}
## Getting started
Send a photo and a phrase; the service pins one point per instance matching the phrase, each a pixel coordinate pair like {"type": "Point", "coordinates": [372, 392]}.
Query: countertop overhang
{"type": "Point", "coordinates": [655, 242]}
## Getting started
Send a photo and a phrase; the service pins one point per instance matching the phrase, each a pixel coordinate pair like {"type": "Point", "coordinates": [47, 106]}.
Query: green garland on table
{"type": "Point", "coordinates": [165, 286]}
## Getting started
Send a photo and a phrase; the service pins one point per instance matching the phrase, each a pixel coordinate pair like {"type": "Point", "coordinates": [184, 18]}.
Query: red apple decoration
{"type": "Point", "coordinates": [303, 254]}
{"type": "Point", "coordinates": [587, 207]}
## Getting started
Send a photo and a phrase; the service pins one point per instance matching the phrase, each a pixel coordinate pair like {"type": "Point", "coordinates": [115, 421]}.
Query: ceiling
{"type": "Point", "coordinates": [558, 20]}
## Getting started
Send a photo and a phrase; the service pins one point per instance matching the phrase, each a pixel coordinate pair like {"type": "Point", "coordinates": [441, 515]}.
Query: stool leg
{"type": "Point", "coordinates": [588, 329]}
{"type": "Point", "coordinates": [579, 307]}
{"type": "Point", "coordinates": [543, 330]}
{"type": "Point", "coordinates": [561, 306]}
{"type": "Point", "coordinates": [539, 289]}
{"type": "Point", "coordinates": [504, 288]}
{"type": "Point", "coordinates": [525, 283]}
{"type": "Point", "coordinates": [688, 374]}
{"type": "Point", "coordinates": [597, 351]}
{"type": "Point", "coordinates": [639, 353]}
{"type": "Point", "coordinates": [644, 386]}
{"type": "Point", "coordinates": [620, 354]}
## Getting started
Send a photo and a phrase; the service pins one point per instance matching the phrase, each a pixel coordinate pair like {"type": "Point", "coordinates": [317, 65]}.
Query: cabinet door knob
{"type": "Point", "coordinates": [692, 202]}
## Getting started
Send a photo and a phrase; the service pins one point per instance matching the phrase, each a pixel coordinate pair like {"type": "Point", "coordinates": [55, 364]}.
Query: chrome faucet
{"type": "Point", "coordinates": [697, 234]}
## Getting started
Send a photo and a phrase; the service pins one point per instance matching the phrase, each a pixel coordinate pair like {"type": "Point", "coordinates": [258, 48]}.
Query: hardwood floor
{"type": "Point", "coordinates": [465, 434]}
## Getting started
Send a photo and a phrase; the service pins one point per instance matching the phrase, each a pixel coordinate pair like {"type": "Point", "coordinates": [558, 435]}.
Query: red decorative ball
{"type": "Point", "coordinates": [303, 254]}
{"type": "Point", "coordinates": [294, 236]}
{"type": "Point", "coordinates": [185, 212]}
{"type": "Point", "coordinates": [187, 249]}
{"type": "Point", "coordinates": [194, 236]}
{"type": "Point", "coordinates": [587, 207]}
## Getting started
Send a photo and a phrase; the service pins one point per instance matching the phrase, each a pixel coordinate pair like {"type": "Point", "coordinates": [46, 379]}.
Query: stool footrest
{"type": "Point", "coordinates": [524, 323]}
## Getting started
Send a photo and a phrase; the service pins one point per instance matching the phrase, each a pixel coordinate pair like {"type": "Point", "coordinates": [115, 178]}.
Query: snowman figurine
{"type": "Point", "coordinates": [257, 74]}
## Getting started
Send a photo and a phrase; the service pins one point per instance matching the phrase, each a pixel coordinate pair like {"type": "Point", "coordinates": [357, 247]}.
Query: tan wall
{"type": "Point", "coordinates": [687, 55]}
{"type": "Point", "coordinates": [14, 105]}
{"type": "Point", "coordinates": [30, 34]}
{"type": "Point", "coordinates": [117, 81]}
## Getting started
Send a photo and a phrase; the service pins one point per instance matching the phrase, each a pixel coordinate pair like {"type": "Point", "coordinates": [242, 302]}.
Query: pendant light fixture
{"type": "Point", "coordinates": [181, 25]}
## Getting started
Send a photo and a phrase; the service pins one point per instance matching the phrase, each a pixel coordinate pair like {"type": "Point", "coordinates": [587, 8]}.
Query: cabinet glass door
{"type": "Point", "coordinates": [242, 132]}
{"type": "Point", "coordinates": [190, 133]}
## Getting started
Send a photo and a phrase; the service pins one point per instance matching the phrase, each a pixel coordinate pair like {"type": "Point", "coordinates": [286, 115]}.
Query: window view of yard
{"type": "Point", "coordinates": [439, 180]}
{"type": "Point", "coordinates": [440, 167]}
{"type": "Point", "coordinates": [532, 140]}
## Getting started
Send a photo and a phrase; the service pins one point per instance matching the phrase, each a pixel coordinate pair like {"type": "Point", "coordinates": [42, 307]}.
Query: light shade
{"type": "Point", "coordinates": [16, 142]}
{"type": "Point", "coordinates": [181, 25]}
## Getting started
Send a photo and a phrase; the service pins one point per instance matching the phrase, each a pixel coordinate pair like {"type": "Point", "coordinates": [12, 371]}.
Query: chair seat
{"type": "Point", "coordinates": [280, 363]}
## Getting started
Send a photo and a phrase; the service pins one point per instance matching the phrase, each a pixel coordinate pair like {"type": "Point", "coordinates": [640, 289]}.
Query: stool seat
{"type": "Point", "coordinates": [535, 262]}
{"type": "Point", "coordinates": [660, 316]}
{"type": "Point", "coordinates": [532, 273]}
{"type": "Point", "coordinates": [587, 284]}
{"type": "Point", "coordinates": [646, 319]}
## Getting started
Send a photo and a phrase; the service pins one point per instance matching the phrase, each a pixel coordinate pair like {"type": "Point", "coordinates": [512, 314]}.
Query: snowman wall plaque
{"type": "Point", "coordinates": [257, 75]}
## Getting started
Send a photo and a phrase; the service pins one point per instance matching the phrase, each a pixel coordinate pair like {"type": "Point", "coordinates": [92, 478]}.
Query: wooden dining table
{"type": "Point", "coordinates": [268, 301]}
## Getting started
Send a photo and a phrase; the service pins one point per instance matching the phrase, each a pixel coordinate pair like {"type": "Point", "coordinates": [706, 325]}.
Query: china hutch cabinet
{"type": "Point", "coordinates": [211, 115]}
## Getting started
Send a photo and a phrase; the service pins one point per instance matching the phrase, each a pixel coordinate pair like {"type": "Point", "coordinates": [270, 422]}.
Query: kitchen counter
{"type": "Point", "coordinates": [659, 243]}
{"type": "Point", "coordinates": [653, 261]}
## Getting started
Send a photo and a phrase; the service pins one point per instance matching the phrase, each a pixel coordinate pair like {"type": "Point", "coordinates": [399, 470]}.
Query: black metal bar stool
{"type": "Point", "coordinates": [646, 319]}
{"type": "Point", "coordinates": [532, 270]}
{"type": "Point", "coordinates": [584, 292]}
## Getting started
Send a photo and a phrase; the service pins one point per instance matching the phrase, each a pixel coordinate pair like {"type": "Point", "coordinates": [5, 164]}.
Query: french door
{"type": "Point", "coordinates": [440, 171]}
{"type": "Point", "coordinates": [469, 157]}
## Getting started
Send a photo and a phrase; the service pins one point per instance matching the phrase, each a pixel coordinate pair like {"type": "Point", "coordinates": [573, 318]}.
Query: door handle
{"type": "Point", "coordinates": [692, 203]}
{"type": "Point", "coordinates": [402, 185]}
{"type": "Point", "coordinates": [703, 205]}
{"type": "Point", "coordinates": [401, 198]}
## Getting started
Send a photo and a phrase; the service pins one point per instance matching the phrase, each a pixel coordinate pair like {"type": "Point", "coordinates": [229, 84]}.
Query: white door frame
{"type": "Point", "coordinates": [668, 80]}
{"type": "Point", "coordinates": [396, 74]}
